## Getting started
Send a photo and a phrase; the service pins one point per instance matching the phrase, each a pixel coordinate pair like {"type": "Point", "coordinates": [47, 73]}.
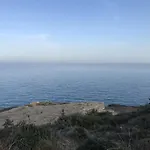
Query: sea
{"type": "Point", "coordinates": [22, 83]}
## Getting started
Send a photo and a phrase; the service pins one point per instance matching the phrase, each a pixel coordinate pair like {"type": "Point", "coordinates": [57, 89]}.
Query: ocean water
{"type": "Point", "coordinates": [22, 83]}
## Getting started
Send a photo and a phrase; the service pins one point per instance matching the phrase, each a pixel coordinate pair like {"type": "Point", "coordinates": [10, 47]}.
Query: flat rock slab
{"type": "Point", "coordinates": [45, 114]}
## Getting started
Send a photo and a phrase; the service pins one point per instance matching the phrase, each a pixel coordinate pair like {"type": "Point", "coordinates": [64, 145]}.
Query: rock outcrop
{"type": "Point", "coordinates": [40, 114]}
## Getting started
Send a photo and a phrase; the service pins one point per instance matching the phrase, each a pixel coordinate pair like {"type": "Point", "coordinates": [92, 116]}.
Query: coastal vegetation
{"type": "Point", "coordinates": [91, 131]}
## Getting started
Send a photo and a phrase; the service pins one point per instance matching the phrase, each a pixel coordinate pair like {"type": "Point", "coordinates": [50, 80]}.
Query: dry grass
{"type": "Point", "coordinates": [93, 131]}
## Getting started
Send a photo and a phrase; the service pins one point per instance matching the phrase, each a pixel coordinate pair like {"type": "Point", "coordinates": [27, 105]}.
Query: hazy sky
{"type": "Point", "coordinates": [75, 30]}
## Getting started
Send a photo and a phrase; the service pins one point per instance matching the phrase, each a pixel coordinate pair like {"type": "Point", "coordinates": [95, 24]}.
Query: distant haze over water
{"type": "Point", "coordinates": [22, 83]}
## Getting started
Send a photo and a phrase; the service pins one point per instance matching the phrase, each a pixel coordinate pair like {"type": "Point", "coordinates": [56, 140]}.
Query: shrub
{"type": "Point", "coordinates": [96, 144]}
{"type": "Point", "coordinates": [24, 136]}
{"type": "Point", "coordinates": [78, 133]}
{"type": "Point", "coordinates": [8, 123]}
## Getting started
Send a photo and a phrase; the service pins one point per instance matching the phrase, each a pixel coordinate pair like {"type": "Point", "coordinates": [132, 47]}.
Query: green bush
{"type": "Point", "coordinates": [96, 144]}
{"type": "Point", "coordinates": [24, 136]}
{"type": "Point", "coordinates": [89, 121]}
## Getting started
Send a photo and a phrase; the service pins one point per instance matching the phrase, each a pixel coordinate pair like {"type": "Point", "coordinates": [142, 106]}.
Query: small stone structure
{"type": "Point", "coordinates": [34, 104]}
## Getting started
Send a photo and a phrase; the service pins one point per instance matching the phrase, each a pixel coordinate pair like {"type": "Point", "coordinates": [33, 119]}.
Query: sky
{"type": "Point", "coordinates": [88, 31]}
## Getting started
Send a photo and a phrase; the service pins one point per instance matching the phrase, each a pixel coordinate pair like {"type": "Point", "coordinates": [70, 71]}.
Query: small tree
{"type": "Point", "coordinates": [62, 113]}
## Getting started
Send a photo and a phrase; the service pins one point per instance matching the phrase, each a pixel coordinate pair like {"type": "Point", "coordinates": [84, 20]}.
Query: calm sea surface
{"type": "Point", "coordinates": [124, 84]}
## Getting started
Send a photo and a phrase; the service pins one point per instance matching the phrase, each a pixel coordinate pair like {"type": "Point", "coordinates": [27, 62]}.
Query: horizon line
{"type": "Point", "coordinates": [73, 63]}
